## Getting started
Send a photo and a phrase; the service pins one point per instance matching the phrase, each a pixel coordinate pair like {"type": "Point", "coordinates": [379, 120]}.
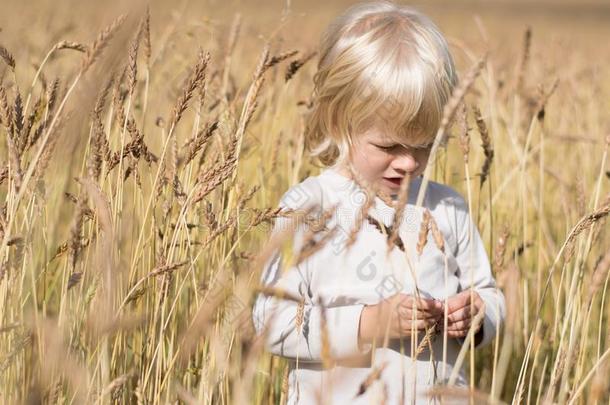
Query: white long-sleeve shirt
{"type": "Point", "coordinates": [343, 280]}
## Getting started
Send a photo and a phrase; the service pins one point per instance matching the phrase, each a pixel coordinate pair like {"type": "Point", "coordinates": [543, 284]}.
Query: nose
{"type": "Point", "coordinates": [405, 163]}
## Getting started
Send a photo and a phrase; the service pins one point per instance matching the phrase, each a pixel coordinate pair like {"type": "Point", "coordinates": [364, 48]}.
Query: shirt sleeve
{"type": "Point", "coordinates": [474, 269]}
{"type": "Point", "coordinates": [293, 332]}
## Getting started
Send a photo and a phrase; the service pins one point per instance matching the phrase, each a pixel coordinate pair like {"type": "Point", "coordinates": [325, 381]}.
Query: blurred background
{"type": "Point", "coordinates": [91, 309]}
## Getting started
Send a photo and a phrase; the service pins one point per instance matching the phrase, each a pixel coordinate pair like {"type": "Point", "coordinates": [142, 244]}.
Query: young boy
{"type": "Point", "coordinates": [362, 310]}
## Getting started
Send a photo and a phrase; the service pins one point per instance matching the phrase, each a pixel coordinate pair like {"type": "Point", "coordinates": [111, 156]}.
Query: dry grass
{"type": "Point", "coordinates": [138, 185]}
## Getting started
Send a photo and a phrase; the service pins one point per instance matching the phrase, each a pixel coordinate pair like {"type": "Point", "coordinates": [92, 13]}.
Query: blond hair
{"type": "Point", "coordinates": [381, 65]}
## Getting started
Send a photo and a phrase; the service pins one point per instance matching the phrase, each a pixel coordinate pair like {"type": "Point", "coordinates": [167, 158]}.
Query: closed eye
{"type": "Point", "coordinates": [386, 147]}
{"type": "Point", "coordinates": [395, 146]}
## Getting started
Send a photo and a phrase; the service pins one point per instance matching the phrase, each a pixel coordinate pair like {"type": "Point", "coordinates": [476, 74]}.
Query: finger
{"type": "Point", "coordinates": [458, 301]}
{"type": "Point", "coordinates": [479, 304]}
{"type": "Point", "coordinates": [428, 307]}
{"type": "Point", "coordinates": [407, 327]}
{"type": "Point", "coordinates": [460, 325]}
{"type": "Point", "coordinates": [474, 299]}
{"type": "Point", "coordinates": [407, 314]}
{"type": "Point", "coordinates": [457, 334]}
{"type": "Point", "coordinates": [429, 304]}
{"type": "Point", "coordinates": [410, 314]}
{"type": "Point", "coordinates": [408, 310]}
{"type": "Point", "coordinates": [462, 330]}
{"type": "Point", "coordinates": [464, 298]}
{"type": "Point", "coordinates": [419, 323]}
{"type": "Point", "coordinates": [460, 314]}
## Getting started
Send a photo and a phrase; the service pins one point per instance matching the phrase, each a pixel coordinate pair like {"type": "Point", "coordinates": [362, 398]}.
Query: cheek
{"type": "Point", "coordinates": [375, 161]}
{"type": "Point", "coordinates": [370, 161]}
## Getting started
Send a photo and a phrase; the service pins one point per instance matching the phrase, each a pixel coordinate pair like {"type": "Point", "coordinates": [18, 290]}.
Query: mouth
{"type": "Point", "coordinates": [393, 181]}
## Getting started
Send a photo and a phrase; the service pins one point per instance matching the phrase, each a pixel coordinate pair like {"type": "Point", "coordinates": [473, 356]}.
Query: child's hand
{"type": "Point", "coordinates": [399, 311]}
{"type": "Point", "coordinates": [461, 311]}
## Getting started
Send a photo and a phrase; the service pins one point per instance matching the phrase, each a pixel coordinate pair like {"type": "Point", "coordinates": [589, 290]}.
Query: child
{"type": "Point", "coordinates": [356, 311]}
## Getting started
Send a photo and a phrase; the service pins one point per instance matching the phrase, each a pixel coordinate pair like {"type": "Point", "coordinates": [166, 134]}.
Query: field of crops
{"type": "Point", "coordinates": [144, 149]}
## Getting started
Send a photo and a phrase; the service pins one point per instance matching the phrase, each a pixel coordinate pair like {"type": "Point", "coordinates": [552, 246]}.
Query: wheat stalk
{"type": "Point", "coordinates": [424, 228]}
{"type": "Point", "coordinates": [448, 113]}
{"type": "Point", "coordinates": [101, 41]}
{"type": "Point", "coordinates": [403, 196]}
{"type": "Point", "coordinates": [485, 144]}
{"type": "Point", "coordinates": [8, 58]}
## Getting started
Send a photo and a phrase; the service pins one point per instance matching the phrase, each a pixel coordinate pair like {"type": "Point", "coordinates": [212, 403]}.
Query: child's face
{"type": "Point", "coordinates": [384, 162]}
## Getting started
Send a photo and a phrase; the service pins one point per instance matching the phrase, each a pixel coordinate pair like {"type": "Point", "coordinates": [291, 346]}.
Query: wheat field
{"type": "Point", "coordinates": [145, 148]}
